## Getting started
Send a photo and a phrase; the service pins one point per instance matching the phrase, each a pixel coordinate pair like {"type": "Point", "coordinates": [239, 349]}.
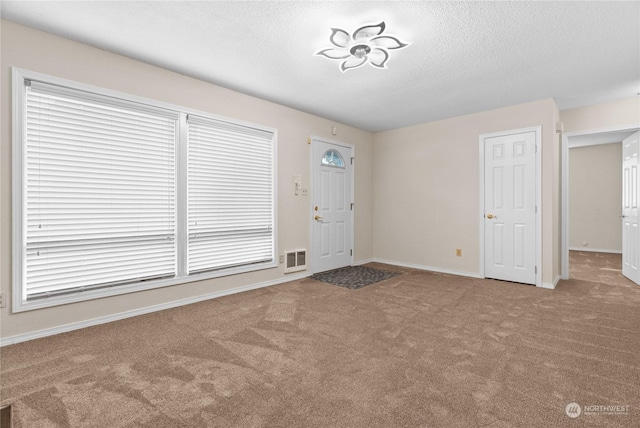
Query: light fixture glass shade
{"type": "Point", "coordinates": [365, 45]}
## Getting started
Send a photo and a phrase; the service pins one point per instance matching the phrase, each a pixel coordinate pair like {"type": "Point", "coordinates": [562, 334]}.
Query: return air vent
{"type": "Point", "coordinates": [295, 261]}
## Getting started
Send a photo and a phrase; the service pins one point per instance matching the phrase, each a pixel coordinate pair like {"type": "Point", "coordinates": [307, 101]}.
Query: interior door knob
{"type": "Point", "coordinates": [317, 217]}
{"type": "Point", "coordinates": [491, 216]}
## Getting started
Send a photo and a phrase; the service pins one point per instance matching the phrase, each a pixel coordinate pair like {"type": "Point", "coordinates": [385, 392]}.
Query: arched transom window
{"type": "Point", "coordinates": [332, 158]}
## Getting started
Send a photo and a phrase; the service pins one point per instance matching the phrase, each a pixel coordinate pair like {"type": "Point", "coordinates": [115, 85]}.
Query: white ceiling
{"type": "Point", "coordinates": [464, 57]}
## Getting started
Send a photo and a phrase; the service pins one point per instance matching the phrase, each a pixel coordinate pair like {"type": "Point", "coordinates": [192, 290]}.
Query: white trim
{"type": "Point", "coordinates": [538, 171]}
{"type": "Point", "coordinates": [428, 268]}
{"type": "Point", "coordinates": [550, 285]}
{"type": "Point", "coordinates": [313, 139]}
{"type": "Point", "coordinates": [146, 310]}
{"type": "Point", "coordinates": [362, 262]}
{"type": "Point", "coordinates": [18, 232]}
{"type": "Point", "coordinates": [595, 250]}
{"type": "Point", "coordinates": [589, 144]}
{"type": "Point", "coordinates": [181, 197]}
{"type": "Point", "coordinates": [133, 288]}
{"type": "Point", "coordinates": [564, 198]}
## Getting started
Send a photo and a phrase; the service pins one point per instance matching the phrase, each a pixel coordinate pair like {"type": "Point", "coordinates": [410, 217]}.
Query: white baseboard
{"type": "Point", "coordinates": [362, 262]}
{"type": "Point", "coordinates": [429, 268]}
{"type": "Point", "coordinates": [550, 285]}
{"type": "Point", "coordinates": [595, 250]}
{"type": "Point", "coordinates": [141, 311]}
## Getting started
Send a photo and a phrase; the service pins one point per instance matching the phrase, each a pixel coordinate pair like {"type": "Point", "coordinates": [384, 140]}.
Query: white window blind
{"type": "Point", "coordinates": [100, 182]}
{"type": "Point", "coordinates": [230, 195]}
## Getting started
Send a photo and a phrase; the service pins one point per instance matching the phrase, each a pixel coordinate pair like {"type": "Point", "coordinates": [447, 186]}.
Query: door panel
{"type": "Point", "coordinates": [630, 188]}
{"type": "Point", "coordinates": [332, 215]}
{"type": "Point", "coordinates": [498, 244]}
{"type": "Point", "coordinates": [498, 187]}
{"type": "Point", "coordinates": [325, 191]}
{"type": "Point", "coordinates": [510, 216]}
{"type": "Point", "coordinates": [341, 239]}
{"type": "Point", "coordinates": [341, 203]}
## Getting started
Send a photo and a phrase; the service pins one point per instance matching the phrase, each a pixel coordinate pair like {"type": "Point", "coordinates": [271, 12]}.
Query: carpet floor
{"type": "Point", "coordinates": [417, 350]}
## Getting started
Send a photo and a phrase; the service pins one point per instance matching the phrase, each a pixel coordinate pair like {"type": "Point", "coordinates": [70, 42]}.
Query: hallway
{"type": "Point", "coordinates": [597, 267]}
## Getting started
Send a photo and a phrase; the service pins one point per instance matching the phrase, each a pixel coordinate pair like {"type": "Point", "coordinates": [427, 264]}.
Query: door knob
{"type": "Point", "coordinates": [491, 216]}
{"type": "Point", "coordinates": [317, 217]}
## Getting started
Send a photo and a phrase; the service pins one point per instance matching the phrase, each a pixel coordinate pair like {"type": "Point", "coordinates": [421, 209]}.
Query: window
{"type": "Point", "coordinates": [100, 192]}
{"type": "Point", "coordinates": [230, 196]}
{"type": "Point", "coordinates": [112, 196]}
{"type": "Point", "coordinates": [332, 158]}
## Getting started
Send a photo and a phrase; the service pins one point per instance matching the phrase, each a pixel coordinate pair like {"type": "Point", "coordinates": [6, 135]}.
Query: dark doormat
{"type": "Point", "coordinates": [354, 277]}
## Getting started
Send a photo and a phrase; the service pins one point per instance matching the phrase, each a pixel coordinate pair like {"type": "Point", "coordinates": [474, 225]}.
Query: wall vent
{"type": "Point", "coordinates": [295, 261]}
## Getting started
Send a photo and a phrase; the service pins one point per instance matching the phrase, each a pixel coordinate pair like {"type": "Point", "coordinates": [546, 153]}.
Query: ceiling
{"type": "Point", "coordinates": [463, 57]}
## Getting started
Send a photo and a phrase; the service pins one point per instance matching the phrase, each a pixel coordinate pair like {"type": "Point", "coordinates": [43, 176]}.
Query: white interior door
{"type": "Point", "coordinates": [332, 206]}
{"type": "Point", "coordinates": [630, 189]}
{"type": "Point", "coordinates": [510, 207]}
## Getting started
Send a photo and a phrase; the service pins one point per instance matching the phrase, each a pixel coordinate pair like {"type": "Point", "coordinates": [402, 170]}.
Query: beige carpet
{"type": "Point", "coordinates": [419, 349]}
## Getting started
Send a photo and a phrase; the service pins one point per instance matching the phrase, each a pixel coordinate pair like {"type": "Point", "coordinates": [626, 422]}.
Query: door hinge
{"type": "Point", "coordinates": [536, 150]}
{"type": "Point", "coordinates": [536, 209]}
{"type": "Point", "coordinates": [351, 206]}
{"type": "Point", "coordinates": [535, 270]}
{"type": "Point", "coordinates": [352, 160]}
{"type": "Point", "coordinates": [309, 140]}
{"type": "Point", "coordinates": [351, 252]}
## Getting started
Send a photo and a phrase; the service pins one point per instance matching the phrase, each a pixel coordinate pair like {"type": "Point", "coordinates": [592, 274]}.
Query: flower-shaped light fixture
{"type": "Point", "coordinates": [366, 45]}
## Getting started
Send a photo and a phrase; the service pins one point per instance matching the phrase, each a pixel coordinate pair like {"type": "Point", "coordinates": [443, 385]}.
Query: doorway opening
{"type": "Point", "coordinates": [596, 267]}
{"type": "Point", "coordinates": [575, 245]}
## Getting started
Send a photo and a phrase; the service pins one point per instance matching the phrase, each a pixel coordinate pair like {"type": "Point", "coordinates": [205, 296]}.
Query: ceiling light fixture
{"type": "Point", "coordinates": [365, 45]}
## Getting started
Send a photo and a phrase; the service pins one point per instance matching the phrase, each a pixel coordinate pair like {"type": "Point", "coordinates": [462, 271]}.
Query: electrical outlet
{"type": "Point", "coordinates": [459, 252]}
{"type": "Point", "coordinates": [2, 301]}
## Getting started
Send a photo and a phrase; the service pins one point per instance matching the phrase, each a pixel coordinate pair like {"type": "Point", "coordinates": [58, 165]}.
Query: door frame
{"type": "Point", "coordinates": [538, 185]}
{"type": "Point", "coordinates": [312, 141]}
{"type": "Point", "coordinates": [564, 172]}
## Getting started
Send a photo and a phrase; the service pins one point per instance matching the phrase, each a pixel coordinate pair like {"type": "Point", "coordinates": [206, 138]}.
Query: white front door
{"type": "Point", "coordinates": [332, 206]}
{"type": "Point", "coordinates": [510, 207]}
{"type": "Point", "coordinates": [630, 189]}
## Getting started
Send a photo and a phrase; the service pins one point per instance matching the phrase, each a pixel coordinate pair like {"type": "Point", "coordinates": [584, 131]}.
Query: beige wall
{"type": "Point", "coordinates": [619, 113]}
{"type": "Point", "coordinates": [595, 197]}
{"type": "Point", "coordinates": [37, 51]}
{"type": "Point", "coordinates": [426, 187]}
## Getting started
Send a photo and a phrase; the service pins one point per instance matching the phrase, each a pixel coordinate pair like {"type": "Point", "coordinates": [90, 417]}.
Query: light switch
{"type": "Point", "coordinates": [297, 184]}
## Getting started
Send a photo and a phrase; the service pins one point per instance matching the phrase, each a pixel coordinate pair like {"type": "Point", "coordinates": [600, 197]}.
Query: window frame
{"type": "Point", "coordinates": [18, 186]}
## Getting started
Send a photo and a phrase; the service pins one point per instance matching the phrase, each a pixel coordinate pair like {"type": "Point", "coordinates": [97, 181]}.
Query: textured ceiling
{"type": "Point", "coordinates": [464, 57]}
